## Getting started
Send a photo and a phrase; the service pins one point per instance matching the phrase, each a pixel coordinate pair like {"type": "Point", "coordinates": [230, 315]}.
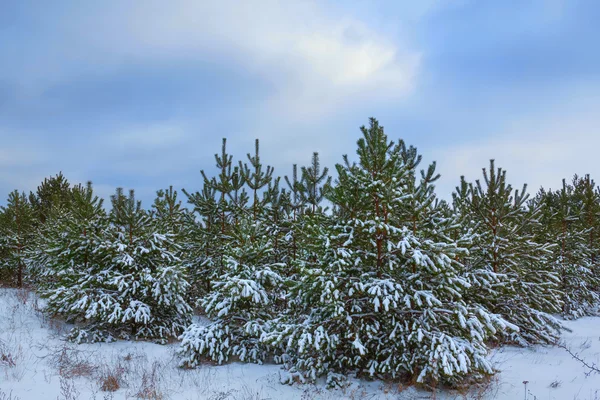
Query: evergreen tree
{"type": "Point", "coordinates": [169, 214]}
{"type": "Point", "coordinates": [220, 200]}
{"type": "Point", "coordinates": [277, 221]}
{"type": "Point", "coordinates": [203, 257]}
{"type": "Point", "coordinates": [242, 302]}
{"type": "Point", "coordinates": [248, 292]}
{"type": "Point", "coordinates": [53, 192]}
{"type": "Point", "coordinates": [255, 177]}
{"type": "Point", "coordinates": [172, 219]}
{"type": "Point", "coordinates": [383, 296]}
{"type": "Point", "coordinates": [305, 197]}
{"type": "Point", "coordinates": [565, 224]}
{"type": "Point", "coordinates": [17, 233]}
{"type": "Point", "coordinates": [588, 196]}
{"type": "Point", "coordinates": [315, 183]}
{"type": "Point", "coordinates": [116, 274]}
{"type": "Point", "coordinates": [508, 270]}
{"type": "Point", "coordinates": [68, 260]}
{"type": "Point", "coordinates": [296, 205]}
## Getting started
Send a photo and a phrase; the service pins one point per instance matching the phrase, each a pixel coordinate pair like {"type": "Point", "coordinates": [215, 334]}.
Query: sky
{"type": "Point", "coordinates": [139, 94]}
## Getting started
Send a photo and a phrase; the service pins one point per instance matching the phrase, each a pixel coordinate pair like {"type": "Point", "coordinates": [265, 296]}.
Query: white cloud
{"type": "Point", "coordinates": [539, 150]}
{"type": "Point", "coordinates": [11, 157]}
{"type": "Point", "coordinates": [314, 59]}
{"type": "Point", "coordinates": [149, 137]}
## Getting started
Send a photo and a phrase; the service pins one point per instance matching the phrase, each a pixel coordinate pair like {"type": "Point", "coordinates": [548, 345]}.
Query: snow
{"type": "Point", "coordinates": [546, 366]}
{"type": "Point", "coordinates": [37, 363]}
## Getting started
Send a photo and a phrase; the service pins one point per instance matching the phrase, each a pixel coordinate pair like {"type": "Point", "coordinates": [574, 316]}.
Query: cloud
{"type": "Point", "coordinates": [16, 157]}
{"type": "Point", "coordinates": [539, 149]}
{"type": "Point", "coordinates": [313, 58]}
{"type": "Point", "coordinates": [148, 137]}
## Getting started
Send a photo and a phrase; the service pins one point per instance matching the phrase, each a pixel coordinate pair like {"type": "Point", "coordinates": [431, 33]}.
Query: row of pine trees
{"type": "Point", "coordinates": [371, 275]}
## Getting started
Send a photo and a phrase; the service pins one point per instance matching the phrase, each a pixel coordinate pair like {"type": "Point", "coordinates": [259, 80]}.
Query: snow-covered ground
{"type": "Point", "coordinates": [36, 363]}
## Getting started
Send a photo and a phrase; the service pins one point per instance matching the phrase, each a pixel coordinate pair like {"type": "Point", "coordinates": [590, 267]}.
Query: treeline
{"type": "Point", "coordinates": [370, 275]}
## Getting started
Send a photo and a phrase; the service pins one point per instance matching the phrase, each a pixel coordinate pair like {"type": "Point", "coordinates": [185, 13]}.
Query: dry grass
{"type": "Point", "coordinates": [68, 390]}
{"type": "Point", "coordinates": [7, 396]}
{"type": "Point", "coordinates": [109, 383]}
{"type": "Point", "coordinates": [6, 356]}
{"type": "Point", "coordinates": [73, 363]}
{"type": "Point", "coordinates": [111, 377]}
{"type": "Point", "coordinates": [486, 389]}
{"type": "Point", "coordinates": [150, 386]}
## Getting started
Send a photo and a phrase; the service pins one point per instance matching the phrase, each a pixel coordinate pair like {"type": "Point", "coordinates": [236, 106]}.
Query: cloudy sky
{"type": "Point", "coordinates": [139, 93]}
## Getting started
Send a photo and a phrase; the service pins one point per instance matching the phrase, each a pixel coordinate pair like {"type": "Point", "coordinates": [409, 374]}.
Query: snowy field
{"type": "Point", "coordinates": [35, 363]}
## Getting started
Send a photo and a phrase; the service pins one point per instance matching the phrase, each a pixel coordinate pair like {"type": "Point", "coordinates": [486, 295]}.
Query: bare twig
{"type": "Point", "coordinates": [592, 367]}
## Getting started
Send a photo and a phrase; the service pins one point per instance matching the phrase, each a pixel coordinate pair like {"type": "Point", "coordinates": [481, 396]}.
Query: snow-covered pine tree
{"type": "Point", "coordinates": [203, 252]}
{"type": "Point", "coordinates": [383, 295]}
{"type": "Point", "coordinates": [118, 276]}
{"type": "Point", "coordinates": [443, 241]}
{"type": "Point", "coordinates": [17, 232]}
{"type": "Point", "coordinates": [255, 177]}
{"type": "Point", "coordinates": [146, 285]}
{"type": "Point", "coordinates": [172, 219]}
{"type": "Point", "coordinates": [68, 260]}
{"type": "Point", "coordinates": [509, 271]}
{"type": "Point", "coordinates": [588, 195]}
{"type": "Point", "coordinates": [242, 302]}
{"type": "Point", "coordinates": [169, 214]}
{"type": "Point", "coordinates": [215, 206]}
{"type": "Point", "coordinates": [315, 182]}
{"type": "Point", "coordinates": [561, 225]}
{"type": "Point", "coordinates": [54, 192]}
{"type": "Point", "coordinates": [277, 220]}
{"type": "Point", "coordinates": [305, 197]}
{"type": "Point", "coordinates": [295, 208]}
{"type": "Point", "coordinates": [249, 292]}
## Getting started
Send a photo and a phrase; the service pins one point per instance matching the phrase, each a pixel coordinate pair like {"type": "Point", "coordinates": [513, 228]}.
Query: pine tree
{"type": "Point", "coordinates": [296, 205]}
{"type": "Point", "coordinates": [588, 195]}
{"type": "Point", "coordinates": [508, 270]}
{"type": "Point", "coordinates": [561, 225]}
{"type": "Point", "coordinates": [203, 258]}
{"type": "Point", "coordinates": [248, 293]}
{"type": "Point", "coordinates": [172, 219]}
{"type": "Point", "coordinates": [315, 183]}
{"type": "Point", "coordinates": [53, 192]}
{"type": "Point", "coordinates": [242, 302]}
{"type": "Point", "coordinates": [68, 259]}
{"type": "Point", "coordinates": [383, 296]}
{"type": "Point", "coordinates": [216, 206]}
{"type": "Point", "coordinates": [255, 177]}
{"type": "Point", "coordinates": [305, 198]}
{"type": "Point", "coordinates": [17, 232]}
{"type": "Point", "coordinates": [277, 220]}
{"type": "Point", "coordinates": [117, 274]}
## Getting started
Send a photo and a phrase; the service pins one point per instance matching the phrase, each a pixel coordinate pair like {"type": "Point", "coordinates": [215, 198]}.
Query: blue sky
{"type": "Point", "coordinates": [139, 94]}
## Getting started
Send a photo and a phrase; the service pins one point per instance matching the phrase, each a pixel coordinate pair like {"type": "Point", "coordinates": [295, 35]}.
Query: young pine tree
{"type": "Point", "coordinates": [215, 206]}
{"type": "Point", "coordinates": [508, 270]}
{"type": "Point", "coordinates": [54, 192]}
{"type": "Point", "coordinates": [69, 263]}
{"type": "Point", "coordinates": [383, 296]}
{"type": "Point", "coordinates": [247, 295]}
{"type": "Point", "coordinates": [588, 195]}
{"type": "Point", "coordinates": [256, 178]}
{"type": "Point", "coordinates": [241, 304]}
{"type": "Point", "coordinates": [561, 225]}
{"type": "Point", "coordinates": [172, 219]}
{"type": "Point", "coordinates": [17, 233]}
{"type": "Point", "coordinates": [315, 182]}
{"type": "Point", "coordinates": [117, 274]}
